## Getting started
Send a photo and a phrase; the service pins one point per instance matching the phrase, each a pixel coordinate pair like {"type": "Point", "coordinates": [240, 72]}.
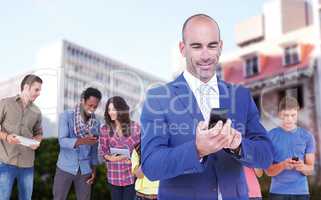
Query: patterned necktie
{"type": "Point", "coordinates": [205, 96]}
{"type": "Point", "coordinates": [206, 92]}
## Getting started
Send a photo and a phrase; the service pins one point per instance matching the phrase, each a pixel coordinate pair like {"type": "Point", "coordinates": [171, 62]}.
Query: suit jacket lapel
{"type": "Point", "coordinates": [225, 96]}
{"type": "Point", "coordinates": [187, 98]}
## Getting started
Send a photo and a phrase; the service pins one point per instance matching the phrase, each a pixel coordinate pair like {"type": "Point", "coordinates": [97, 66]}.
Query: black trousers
{"type": "Point", "coordinates": [123, 192]}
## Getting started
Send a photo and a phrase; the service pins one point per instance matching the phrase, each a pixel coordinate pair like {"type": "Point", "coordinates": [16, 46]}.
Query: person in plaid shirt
{"type": "Point", "coordinates": [119, 132]}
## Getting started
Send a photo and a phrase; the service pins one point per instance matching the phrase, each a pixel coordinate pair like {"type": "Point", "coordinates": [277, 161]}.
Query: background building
{"type": "Point", "coordinates": [67, 69]}
{"type": "Point", "coordinates": [278, 55]}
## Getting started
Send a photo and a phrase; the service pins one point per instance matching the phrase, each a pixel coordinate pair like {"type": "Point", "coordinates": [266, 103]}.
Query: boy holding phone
{"type": "Point", "coordinates": [294, 157]}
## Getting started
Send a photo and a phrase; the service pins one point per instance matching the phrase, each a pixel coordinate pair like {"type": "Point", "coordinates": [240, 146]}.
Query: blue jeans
{"type": "Point", "coordinates": [8, 174]}
{"type": "Point", "coordinates": [288, 197]}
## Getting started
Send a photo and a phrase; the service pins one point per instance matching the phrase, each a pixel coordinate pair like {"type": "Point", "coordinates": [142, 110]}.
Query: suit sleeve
{"type": "Point", "coordinates": [257, 148]}
{"type": "Point", "coordinates": [160, 160]}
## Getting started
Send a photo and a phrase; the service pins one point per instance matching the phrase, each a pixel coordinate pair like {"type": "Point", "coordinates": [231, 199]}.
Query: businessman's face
{"type": "Point", "coordinates": [201, 47]}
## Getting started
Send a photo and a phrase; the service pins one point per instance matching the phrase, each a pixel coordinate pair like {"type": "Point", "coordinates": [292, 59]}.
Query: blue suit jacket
{"type": "Point", "coordinates": [169, 119]}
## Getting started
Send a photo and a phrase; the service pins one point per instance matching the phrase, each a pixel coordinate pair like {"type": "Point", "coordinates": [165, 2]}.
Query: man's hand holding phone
{"type": "Point", "coordinates": [210, 140]}
{"type": "Point", "coordinates": [216, 135]}
{"type": "Point", "coordinates": [235, 137]}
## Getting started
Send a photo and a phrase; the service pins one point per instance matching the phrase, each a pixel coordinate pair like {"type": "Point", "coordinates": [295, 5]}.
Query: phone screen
{"type": "Point", "coordinates": [216, 115]}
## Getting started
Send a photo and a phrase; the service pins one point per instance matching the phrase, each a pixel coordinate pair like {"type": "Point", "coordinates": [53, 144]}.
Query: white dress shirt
{"type": "Point", "coordinates": [210, 96]}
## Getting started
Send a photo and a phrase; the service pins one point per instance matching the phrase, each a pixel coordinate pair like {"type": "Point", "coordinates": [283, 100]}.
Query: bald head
{"type": "Point", "coordinates": [198, 18]}
{"type": "Point", "coordinates": [201, 46]}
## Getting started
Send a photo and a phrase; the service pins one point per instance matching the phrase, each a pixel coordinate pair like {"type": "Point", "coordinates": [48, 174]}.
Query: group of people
{"type": "Point", "coordinates": [82, 139]}
{"type": "Point", "coordinates": [80, 133]}
{"type": "Point", "coordinates": [172, 153]}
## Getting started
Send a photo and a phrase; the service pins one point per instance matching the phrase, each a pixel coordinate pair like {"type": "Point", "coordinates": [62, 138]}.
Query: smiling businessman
{"type": "Point", "coordinates": [190, 160]}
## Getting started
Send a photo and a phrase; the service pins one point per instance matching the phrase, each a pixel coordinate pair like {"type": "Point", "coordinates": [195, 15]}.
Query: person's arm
{"type": "Point", "coordinates": [37, 128]}
{"type": "Point", "coordinates": [37, 132]}
{"type": "Point", "coordinates": [39, 138]}
{"type": "Point", "coordinates": [136, 168]}
{"type": "Point", "coordinates": [306, 167]}
{"type": "Point", "coordinates": [3, 135]}
{"type": "Point", "coordinates": [104, 151]}
{"type": "Point", "coordinates": [103, 142]}
{"type": "Point", "coordinates": [159, 160]}
{"type": "Point", "coordinates": [116, 158]}
{"type": "Point", "coordinates": [277, 168]}
{"type": "Point", "coordinates": [9, 138]}
{"type": "Point", "coordinates": [138, 172]}
{"type": "Point", "coordinates": [258, 172]}
{"type": "Point", "coordinates": [256, 147]}
{"type": "Point", "coordinates": [65, 141]}
{"type": "Point", "coordinates": [92, 178]}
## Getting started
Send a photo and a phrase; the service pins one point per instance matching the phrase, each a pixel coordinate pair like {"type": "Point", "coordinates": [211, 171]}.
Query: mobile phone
{"type": "Point", "coordinates": [295, 158]}
{"type": "Point", "coordinates": [217, 114]}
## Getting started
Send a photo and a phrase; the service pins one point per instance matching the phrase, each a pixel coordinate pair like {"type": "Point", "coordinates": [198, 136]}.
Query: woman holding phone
{"type": "Point", "coordinates": [119, 132]}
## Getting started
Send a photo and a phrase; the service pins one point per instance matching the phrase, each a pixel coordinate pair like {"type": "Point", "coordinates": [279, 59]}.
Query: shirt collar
{"type": "Point", "coordinates": [19, 99]}
{"type": "Point", "coordinates": [194, 83]}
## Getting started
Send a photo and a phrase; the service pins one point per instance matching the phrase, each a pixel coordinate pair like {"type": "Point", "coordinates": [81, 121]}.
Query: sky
{"type": "Point", "coordinates": [140, 33]}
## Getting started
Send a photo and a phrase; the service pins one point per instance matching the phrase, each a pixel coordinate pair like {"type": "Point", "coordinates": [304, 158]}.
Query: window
{"type": "Point", "coordinates": [66, 93]}
{"type": "Point", "coordinates": [66, 107]}
{"type": "Point", "coordinates": [295, 92]}
{"type": "Point", "coordinates": [251, 66]}
{"type": "Point", "coordinates": [73, 51]}
{"type": "Point", "coordinates": [291, 55]}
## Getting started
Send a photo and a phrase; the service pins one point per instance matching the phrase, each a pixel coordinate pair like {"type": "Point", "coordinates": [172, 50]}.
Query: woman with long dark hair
{"type": "Point", "coordinates": [120, 133]}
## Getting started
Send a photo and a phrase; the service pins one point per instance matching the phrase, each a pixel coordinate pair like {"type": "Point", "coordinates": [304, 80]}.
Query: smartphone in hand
{"type": "Point", "coordinates": [217, 114]}
{"type": "Point", "coordinates": [295, 158]}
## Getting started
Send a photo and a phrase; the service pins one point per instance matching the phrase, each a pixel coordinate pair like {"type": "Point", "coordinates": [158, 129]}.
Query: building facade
{"type": "Point", "coordinates": [67, 69]}
{"type": "Point", "coordinates": [277, 57]}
